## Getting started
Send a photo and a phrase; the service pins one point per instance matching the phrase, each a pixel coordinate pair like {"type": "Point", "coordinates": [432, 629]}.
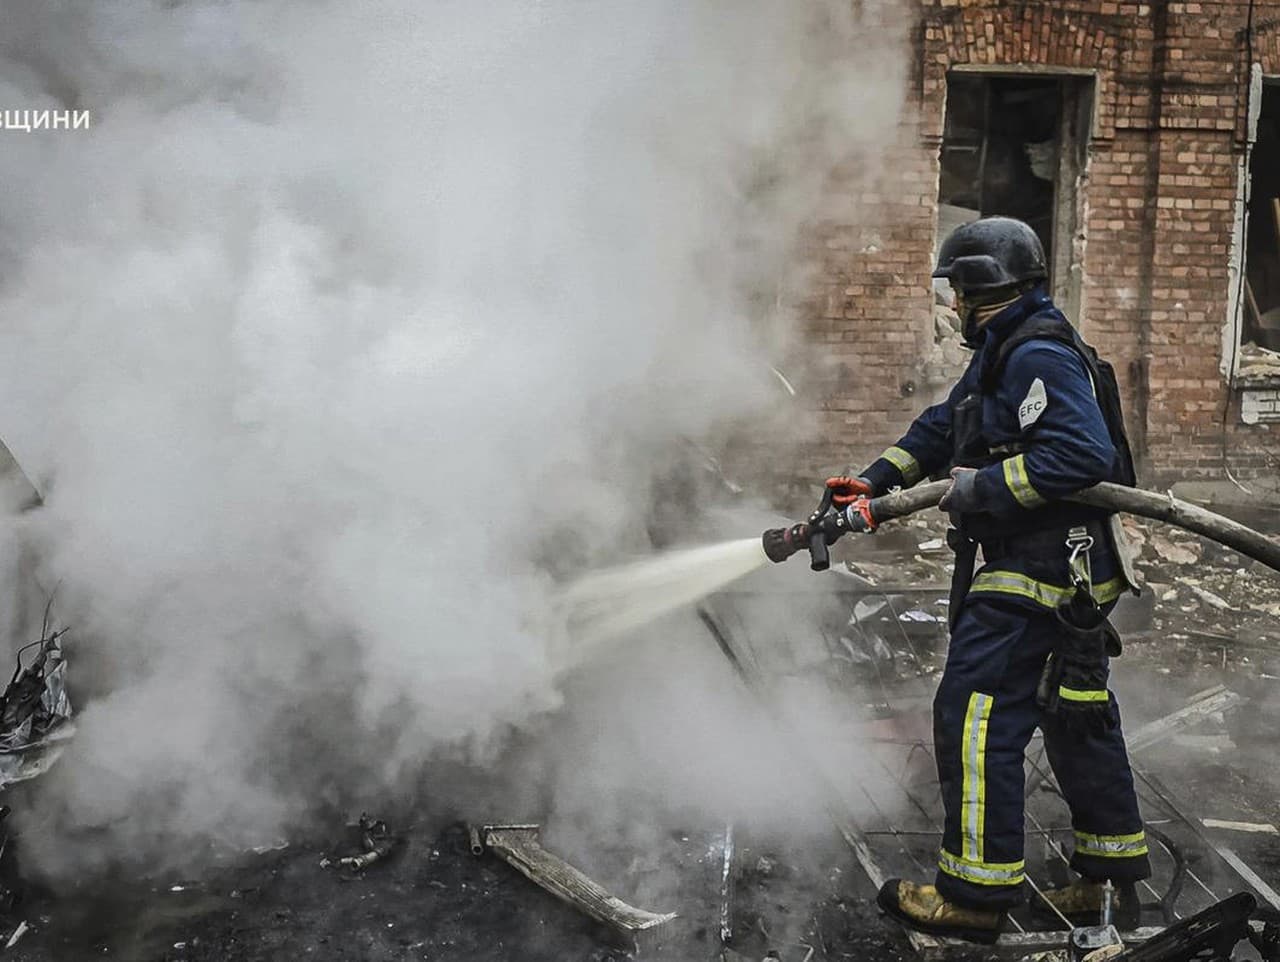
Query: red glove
{"type": "Point", "coordinates": [845, 491]}
{"type": "Point", "coordinates": [859, 515]}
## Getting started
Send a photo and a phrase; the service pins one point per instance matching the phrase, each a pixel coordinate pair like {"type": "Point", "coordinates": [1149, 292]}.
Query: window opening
{"type": "Point", "coordinates": [1260, 337]}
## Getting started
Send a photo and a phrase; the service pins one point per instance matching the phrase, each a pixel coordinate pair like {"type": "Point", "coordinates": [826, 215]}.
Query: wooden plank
{"type": "Point", "coordinates": [517, 845]}
{"type": "Point", "coordinates": [1210, 702]}
{"type": "Point", "coordinates": [1252, 302]}
{"type": "Point", "coordinates": [1017, 944]}
{"type": "Point", "coordinates": [1250, 876]}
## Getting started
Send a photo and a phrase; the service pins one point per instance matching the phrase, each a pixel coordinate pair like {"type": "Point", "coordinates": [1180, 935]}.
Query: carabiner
{"type": "Point", "coordinates": [1079, 544]}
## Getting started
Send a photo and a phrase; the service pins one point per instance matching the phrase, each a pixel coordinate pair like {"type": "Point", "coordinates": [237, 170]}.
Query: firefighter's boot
{"type": "Point", "coordinates": [1081, 903]}
{"type": "Point", "coordinates": [920, 907]}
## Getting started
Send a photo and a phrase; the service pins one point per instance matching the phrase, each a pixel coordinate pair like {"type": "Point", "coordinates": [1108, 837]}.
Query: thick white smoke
{"type": "Point", "coordinates": [343, 318]}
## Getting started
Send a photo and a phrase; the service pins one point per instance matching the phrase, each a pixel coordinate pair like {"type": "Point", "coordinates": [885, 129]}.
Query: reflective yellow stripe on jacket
{"type": "Point", "coordinates": [1019, 485]}
{"type": "Point", "coordinates": [1041, 592]}
{"type": "Point", "coordinates": [905, 462]}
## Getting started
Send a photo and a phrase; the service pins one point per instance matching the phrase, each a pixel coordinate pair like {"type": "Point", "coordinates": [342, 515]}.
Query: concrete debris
{"type": "Point", "coordinates": [1207, 596]}
{"type": "Point", "coordinates": [1260, 361]}
{"type": "Point", "coordinates": [1135, 533]}
{"type": "Point", "coordinates": [1177, 552]}
{"type": "Point", "coordinates": [921, 616]}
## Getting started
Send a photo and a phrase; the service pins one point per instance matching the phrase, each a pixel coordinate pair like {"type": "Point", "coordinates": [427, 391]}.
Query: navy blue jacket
{"type": "Point", "coordinates": [1044, 409]}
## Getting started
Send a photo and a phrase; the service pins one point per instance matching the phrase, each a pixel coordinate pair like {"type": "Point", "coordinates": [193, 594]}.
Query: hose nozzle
{"type": "Point", "coordinates": [781, 543]}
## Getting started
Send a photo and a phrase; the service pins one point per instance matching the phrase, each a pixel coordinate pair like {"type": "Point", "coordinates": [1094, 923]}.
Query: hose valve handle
{"type": "Point", "coordinates": [819, 555]}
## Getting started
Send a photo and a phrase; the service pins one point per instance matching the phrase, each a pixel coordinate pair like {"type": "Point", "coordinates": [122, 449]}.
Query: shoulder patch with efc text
{"type": "Point", "coordinates": [1032, 405]}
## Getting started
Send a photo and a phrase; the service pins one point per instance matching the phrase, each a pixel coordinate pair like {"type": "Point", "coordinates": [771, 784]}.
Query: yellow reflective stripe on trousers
{"type": "Point", "coordinates": [1041, 592]}
{"type": "Point", "coordinates": [905, 462]}
{"type": "Point", "coordinates": [1019, 485]}
{"type": "Point", "coordinates": [982, 873]}
{"type": "Point", "coordinates": [1077, 694]}
{"type": "Point", "coordinates": [1111, 846]}
{"type": "Point", "coordinates": [973, 762]}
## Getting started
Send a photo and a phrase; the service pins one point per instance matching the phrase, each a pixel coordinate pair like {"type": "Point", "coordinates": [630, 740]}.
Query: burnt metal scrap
{"type": "Point", "coordinates": [1213, 933]}
{"type": "Point", "coordinates": [518, 846]}
{"type": "Point", "coordinates": [377, 841]}
{"type": "Point", "coordinates": [35, 711]}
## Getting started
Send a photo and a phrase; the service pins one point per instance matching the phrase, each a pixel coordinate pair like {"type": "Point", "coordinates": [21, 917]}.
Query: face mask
{"type": "Point", "coordinates": [973, 316]}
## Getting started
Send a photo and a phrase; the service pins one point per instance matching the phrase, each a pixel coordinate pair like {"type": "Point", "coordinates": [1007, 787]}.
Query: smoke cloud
{"type": "Point", "coordinates": [346, 329]}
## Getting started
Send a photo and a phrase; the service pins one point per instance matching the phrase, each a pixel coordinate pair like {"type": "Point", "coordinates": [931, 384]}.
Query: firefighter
{"type": "Point", "coordinates": [1035, 417]}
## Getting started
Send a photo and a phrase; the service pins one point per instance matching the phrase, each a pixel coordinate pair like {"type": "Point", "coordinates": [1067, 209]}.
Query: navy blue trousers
{"type": "Point", "coordinates": [984, 715]}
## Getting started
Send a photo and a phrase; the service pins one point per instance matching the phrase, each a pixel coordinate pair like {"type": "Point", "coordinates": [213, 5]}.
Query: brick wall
{"type": "Point", "coordinates": [1165, 155]}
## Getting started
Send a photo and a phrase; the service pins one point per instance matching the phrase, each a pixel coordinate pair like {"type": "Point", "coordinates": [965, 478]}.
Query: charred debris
{"type": "Point", "coordinates": [1202, 649]}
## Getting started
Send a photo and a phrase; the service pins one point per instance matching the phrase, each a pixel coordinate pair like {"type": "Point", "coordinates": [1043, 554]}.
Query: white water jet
{"type": "Point", "coordinates": [605, 604]}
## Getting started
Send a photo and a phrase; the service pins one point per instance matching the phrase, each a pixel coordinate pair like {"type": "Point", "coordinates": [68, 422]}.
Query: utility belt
{"type": "Point", "coordinates": [1049, 544]}
{"type": "Point", "coordinates": [1068, 544]}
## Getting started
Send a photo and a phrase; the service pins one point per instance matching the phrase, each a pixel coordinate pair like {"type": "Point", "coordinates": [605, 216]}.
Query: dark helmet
{"type": "Point", "coordinates": [990, 253]}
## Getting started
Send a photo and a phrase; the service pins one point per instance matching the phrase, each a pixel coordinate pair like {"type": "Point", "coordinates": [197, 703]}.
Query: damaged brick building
{"type": "Point", "coordinates": [1142, 141]}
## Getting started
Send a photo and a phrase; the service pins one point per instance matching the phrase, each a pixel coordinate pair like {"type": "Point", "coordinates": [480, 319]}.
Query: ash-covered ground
{"type": "Point", "coordinates": [1208, 619]}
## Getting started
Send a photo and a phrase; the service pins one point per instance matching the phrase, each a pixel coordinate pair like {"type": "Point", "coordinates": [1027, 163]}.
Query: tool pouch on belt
{"type": "Point", "coordinates": [1074, 683]}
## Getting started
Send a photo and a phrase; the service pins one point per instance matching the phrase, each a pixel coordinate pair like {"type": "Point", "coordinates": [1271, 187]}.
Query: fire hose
{"type": "Point", "coordinates": [826, 522]}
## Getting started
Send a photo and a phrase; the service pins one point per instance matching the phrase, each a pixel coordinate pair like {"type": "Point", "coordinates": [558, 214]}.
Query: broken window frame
{"type": "Point", "coordinates": [1078, 95]}
{"type": "Point", "coordinates": [1245, 307]}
